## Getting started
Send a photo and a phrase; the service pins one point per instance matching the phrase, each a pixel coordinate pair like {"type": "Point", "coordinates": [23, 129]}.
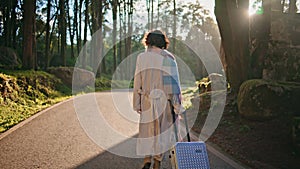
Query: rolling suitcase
{"type": "Point", "coordinates": [188, 155]}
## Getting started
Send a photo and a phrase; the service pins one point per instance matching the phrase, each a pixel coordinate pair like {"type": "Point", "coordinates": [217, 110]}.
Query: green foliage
{"type": "Point", "coordinates": [244, 128]}
{"type": "Point", "coordinates": [23, 94]}
{"type": "Point", "coordinates": [296, 133]}
{"type": "Point", "coordinates": [102, 83]}
{"type": "Point", "coordinates": [187, 95]}
{"type": "Point", "coordinates": [204, 81]}
{"type": "Point", "coordinates": [105, 83]}
{"type": "Point", "coordinates": [227, 123]}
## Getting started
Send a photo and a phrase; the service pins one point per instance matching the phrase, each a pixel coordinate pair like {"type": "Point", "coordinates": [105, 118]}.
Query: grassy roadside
{"type": "Point", "coordinates": [24, 93]}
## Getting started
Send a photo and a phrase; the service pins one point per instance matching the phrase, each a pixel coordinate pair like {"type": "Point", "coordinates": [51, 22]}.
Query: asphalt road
{"type": "Point", "coordinates": [58, 137]}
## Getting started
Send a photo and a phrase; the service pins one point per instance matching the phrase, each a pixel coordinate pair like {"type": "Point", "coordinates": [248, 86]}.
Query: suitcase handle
{"type": "Point", "coordinates": [175, 126]}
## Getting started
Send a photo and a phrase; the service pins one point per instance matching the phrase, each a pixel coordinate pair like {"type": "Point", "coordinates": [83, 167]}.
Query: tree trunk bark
{"type": "Point", "coordinates": [129, 25]}
{"type": "Point", "coordinates": [71, 32]}
{"type": "Point", "coordinates": [75, 26]}
{"type": "Point", "coordinates": [120, 32]}
{"type": "Point", "coordinates": [158, 7]}
{"type": "Point", "coordinates": [115, 9]}
{"type": "Point", "coordinates": [152, 14]}
{"type": "Point", "coordinates": [292, 7]}
{"type": "Point", "coordinates": [148, 10]}
{"type": "Point", "coordinates": [97, 34]}
{"type": "Point", "coordinates": [51, 36]}
{"type": "Point", "coordinates": [101, 64]}
{"type": "Point", "coordinates": [34, 51]}
{"type": "Point", "coordinates": [13, 24]}
{"type": "Point", "coordinates": [125, 27]}
{"type": "Point", "coordinates": [94, 27]}
{"type": "Point", "coordinates": [174, 26]}
{"type": "Point", "coordinates": [29, 35]}
{"type": "Point", "coordinates": [261, 42]}
{"type": "Point", "coordinates": [79, 26]}
{"type": "Point", "coordinates": [62, 30]}
{"type": "Point", "coordinates": [130, 29]}
{"type": "Point", "coordinates": [277, 5]}
{"type": "Point", "coordinates": [47, 48]}
{"type": "Point", "coordinates": [233, 22]}
{"type": "Point", "coordinates": [86, 24]}
{"type": "Point", "coordinates": [7, 25]}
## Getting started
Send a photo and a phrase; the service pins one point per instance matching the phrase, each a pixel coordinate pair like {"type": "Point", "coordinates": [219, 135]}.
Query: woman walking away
{"type": "Point", "coordinates": [156, 85]}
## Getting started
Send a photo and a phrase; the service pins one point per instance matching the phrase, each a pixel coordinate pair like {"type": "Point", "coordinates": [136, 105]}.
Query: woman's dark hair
{"type": "Point", "coordinates": [156, 38]}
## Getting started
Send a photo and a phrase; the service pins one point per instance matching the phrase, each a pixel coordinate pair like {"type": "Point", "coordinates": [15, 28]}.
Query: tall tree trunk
{"type": "Point", "coordinates": [97, 34]}
{"type": "Point", "coordinates": [233, 22]}
{"type": "Point", "coordinates": [80, 20]}
{"type": "Point", "coordinates": [174, 26]}
{"type": "Point", "coordinates": [94, 15]}
{"type": "Point", "coordinates": [29, 35]}
{"type": "Point", "coordinates": [13, 24]}
{"type": "Point", "coordinates": [62, 30]}
{"type": "Point", "coordinates": [292, 7]}
{"type": "Point", "coordinates": [93, 28]}
{"type": "Point", "coordinates": [51, 36]}
{"type": "Point", "coordinates": [34, 50]}
{"type": "Point", "coordinates": [129, 25]}
{"type": "Point", "coordinates": [75, 25]}
{"type": "Point", "coordinates": [101, 65]}
{"type": "Point", "coordinates": [158, 7]}
{"type": "Point", "coordinates": [120, 32]}
{"type": "Point", "coordinates": [125, 13]}
{"type": "Point", "coordinates": [8, 12]}
{"type": "Point", "coordinates": [278, 5]}
{"type": "Point", "coordinates": [152, 13]}
{"type": "Point", "coordinates": [47, 48]}
{"type": "Point", "coordinates": [148, 10]}
{"type": "Point", "coordinates": [1, 19]}
{"type": "Point", "coordinates": [115, 9]}
{"type": "Point", "coordinates": [129, 32]}
{"type": "Point", "coordinates": [86, 24]}
{"type": "Point", "coordinates": [261, 42]}
{"type": "Point", "coordinates": [71, 32]}
{"type": "Point", "coordinates": [6, 24]}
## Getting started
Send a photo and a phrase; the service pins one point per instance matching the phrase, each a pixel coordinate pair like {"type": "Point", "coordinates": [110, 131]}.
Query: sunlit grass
{"type": "Point", "coordinates": [25, 93]}
{"type": "Point", "coordinates": [187, 95]}
{"type": "Point", "coordinates": [12, 113]}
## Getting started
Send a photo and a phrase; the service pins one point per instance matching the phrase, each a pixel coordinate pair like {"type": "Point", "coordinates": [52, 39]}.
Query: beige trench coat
{"type": "Point", "coordinates": [155, 127]}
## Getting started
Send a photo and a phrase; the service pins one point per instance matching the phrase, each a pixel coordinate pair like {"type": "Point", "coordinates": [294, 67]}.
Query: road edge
{"type": "Point", "coordinates": [215, 150]}
{"type": "Point", "coordinates": [24, 122]}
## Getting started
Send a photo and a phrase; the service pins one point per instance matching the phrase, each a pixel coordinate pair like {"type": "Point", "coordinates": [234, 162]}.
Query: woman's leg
{"type": "Point", "coordinates": [157, 161]}
{"type": "Point", "coordinates": [147, 162]}
{"type": "Point", "coordinates": [147, 159]}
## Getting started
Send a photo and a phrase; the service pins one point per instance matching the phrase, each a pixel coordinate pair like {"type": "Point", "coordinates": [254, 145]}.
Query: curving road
{"type": "Point", "coordinates": [55, 138]}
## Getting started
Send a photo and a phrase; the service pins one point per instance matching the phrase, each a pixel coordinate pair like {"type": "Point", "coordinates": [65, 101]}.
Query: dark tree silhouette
{"type": "Point", "coordinates": [233, 22]}
{"type": "Point", "coordinates": [29, 55]}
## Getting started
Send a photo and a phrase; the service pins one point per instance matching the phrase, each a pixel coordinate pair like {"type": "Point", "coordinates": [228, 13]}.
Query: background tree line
{"type": "Point", "coordinates": [46, 33]}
